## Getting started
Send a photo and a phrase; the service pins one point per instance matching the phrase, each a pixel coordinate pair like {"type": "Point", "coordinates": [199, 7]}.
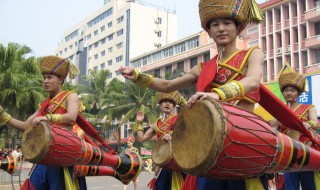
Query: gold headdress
{"type": "Point", "coordinates": [58, 66]}
{"type": "Point", "coordinates": [288, 77]}
{"type": "Point", "coordinates": [174, 96]}
{"type": "Point", "coordinates": [244, 11]}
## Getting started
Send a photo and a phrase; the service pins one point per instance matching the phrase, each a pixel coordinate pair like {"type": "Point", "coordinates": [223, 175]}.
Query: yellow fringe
{"type": "Point", "coordinates": [255, 14]}
{"type": "Point", "coordinates": [177, 181]}
{"type": "Point", "coordinates": [253, 184]}
{"type": "Point", "coordinates": [317, 179]}
{"type": "Point", "coordinates": [68, 182]}
{"type": "Point", "coordinates": [73, 70]}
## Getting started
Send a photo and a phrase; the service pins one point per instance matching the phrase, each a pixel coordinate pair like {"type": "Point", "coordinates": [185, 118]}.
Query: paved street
{"type": "Point", "coordinates": [110, 183]}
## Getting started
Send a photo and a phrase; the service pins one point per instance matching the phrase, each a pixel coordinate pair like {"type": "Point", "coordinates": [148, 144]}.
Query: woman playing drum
{"type": "Point", "coordinates": [163, 129]}
{"type": "Point", "coordinates": [60, 109]}
{"type": "Point", "coordinates": [233, 74]}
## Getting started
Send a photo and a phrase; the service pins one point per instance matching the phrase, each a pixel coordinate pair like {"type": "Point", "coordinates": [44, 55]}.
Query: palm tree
{"type": "Point", "coordinates": [91, 95]}
{"type": "Point", "coordinates": [20, 81]}
{"type": "Point", "coordinates": [126, 99]}
{"type": "Point", "coordinates": [187, 92]}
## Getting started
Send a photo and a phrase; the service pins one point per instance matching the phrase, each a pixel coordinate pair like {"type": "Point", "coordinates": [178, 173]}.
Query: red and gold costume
{"type": "Point", "coordinates": [165, 127]}
{"type": "Point", "coordinates": [228, 71]}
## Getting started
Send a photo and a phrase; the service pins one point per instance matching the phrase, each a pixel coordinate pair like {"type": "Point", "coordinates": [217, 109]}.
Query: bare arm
{"type": "Point", "coordinates": [163, 85]}
{"type": "Point", "coordinates": [146, 136]}
{"type": "Point", "coordinates": [22, 125]}
{"type": "Point", "coordinates": [312, 116]}
{"type": "Point", "coordinates": [254, 73]}
{"type": "Point", "coordinates": [72, 109]}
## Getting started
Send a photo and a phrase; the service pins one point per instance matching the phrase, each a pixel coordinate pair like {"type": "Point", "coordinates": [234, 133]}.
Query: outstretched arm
{"type": "Point", "coordinates": [163, 85]}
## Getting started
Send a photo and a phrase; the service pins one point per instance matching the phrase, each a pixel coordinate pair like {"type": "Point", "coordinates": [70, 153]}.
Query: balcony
{"type": "Point", "coordinates": [278, 26]}
{"type": "Point", "coordinates": [286, 24]}
{"type": "Point", "coordinates": [313, 15]}
{"type": "Point", "coordinates": [313, 42]}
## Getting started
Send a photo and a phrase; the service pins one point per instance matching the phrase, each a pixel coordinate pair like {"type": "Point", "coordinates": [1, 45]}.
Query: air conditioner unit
{"type": "Point", "coordinates": [288, 49]}
{"type": "Point", "coordinates": [156, 30]}
{"type": "Point", "coordinates": [279, 51]}
{"type": "Point", "coordinates": [156, 21]}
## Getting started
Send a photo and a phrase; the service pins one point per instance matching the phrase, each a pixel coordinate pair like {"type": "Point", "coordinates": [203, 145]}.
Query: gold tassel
{"type": "Point", "coordinates": [255, 14]}
{"type": "Point", "coordinates": [73, 70]}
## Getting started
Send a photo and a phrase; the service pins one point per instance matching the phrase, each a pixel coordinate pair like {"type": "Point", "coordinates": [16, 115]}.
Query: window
{"type": "Point", "coordinates": [103, 65]}
{"type": "Point", "coordinates": [102, 28]}
{"type": "Point", "coordinates": [159, 33]}
{"type": "Point", "coordinates": [117, 72]}
{"type": "Point", "coordinates": [157, 73]}
{"type": "Point", "coordinates": [119, 58]}
{"type": "Point", "coordinates": [100, 17]}
{"type": "Point", "coordinates": [96, 44]}
{"type": "Point", "coordinates": [159, 20]}
{"type": "Point", "coordinates": [103, 53]}
{"type": "Point", "coordinates": [193, 43]}
{"type": "Point", "coordinates": [96, 56]}
{"type": "Point", "coordinates": [119, 45]}
{"type": "Point", "coordinates": [193, 62]}
{"type": "Point", "coordinates": [110, 49]}
{"type": "Point", "coordinates": [110, 62]}
{"type": "Point", "coordinates": [253, 43]}
{"type": "Point", "coordinates": [206, 57]}
{"type": "Point", "coordinates": [181, 66]}
{"type": "Point", "coordinates": [169, 69]}
{"type": "Point", "coordinates": [317, 55]}
{"type": "Point", "coordinates": [65, 50]}
{"type": "Point", "coordinates": [180, 48]}
{"type": "Point", "coordinates": [119, 32]}
{"type": "Point", "coordinates": [120, 19]}
{"type": "Point", "coordinates": [95, 32]}
{"type": "Point", "coordinates": [71, 46]}
{"type": "Point", "coordinates": [110, 37]}
{"type": "Point", "coordinates": [71, 36]}
{"type": "Point", "coordinates": [95, 68]}
{"type": "Point", "coordinates": [252, 30]}
{"type": "Point", "coordinates": [109, 24]}
{"type": "Point", "coordinates": [103, 41]}
{"type": "Point", "coordinates": [317, 28]}
{"type": "Point", "coordinates": [88, 36]}
{"type": "Point", "coordinates": [109, 76]}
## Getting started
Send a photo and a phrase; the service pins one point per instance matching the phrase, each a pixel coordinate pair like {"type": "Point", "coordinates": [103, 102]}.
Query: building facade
{"type": "Point", "coordinates": [289, 33]}
{"type": "Point", "coordinates": [120, 30]}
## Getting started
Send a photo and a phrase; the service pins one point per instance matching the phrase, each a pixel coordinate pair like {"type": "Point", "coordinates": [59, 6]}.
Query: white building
{"type": "Point", "coordinates": [120, 30]}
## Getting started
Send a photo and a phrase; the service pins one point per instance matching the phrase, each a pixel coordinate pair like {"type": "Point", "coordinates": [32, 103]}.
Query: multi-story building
{"type": "Point", "coordinates": [182, 55]}
{"type": "Point", "coordinates": [289, 33]}
{"type": "Point", "coordinates": [118, 31]}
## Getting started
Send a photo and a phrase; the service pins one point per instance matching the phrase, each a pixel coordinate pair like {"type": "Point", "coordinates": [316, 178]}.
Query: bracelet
{"type": "Point", "coordinates": [312, 123]}
{"type": "Point", "coordinates": [4, 116]}
{"type": "Point", "coordinates": [230, 91]}
{"type": "Point", "coordinates": [54, 118]}
{"type": "Point", "coordinates": [142, 80]}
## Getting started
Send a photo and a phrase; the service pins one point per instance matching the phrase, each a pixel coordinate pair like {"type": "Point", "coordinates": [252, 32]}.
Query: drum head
{"type": "Point", "coordinates": [161, 153]}
{"type": "Point", "coordinates": [198, 136]}
{"type": "Point", "coordinates": [36, 142]}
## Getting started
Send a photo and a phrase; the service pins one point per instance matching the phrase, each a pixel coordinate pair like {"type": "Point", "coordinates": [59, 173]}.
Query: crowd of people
{"type": "Point", "coordinates": [4, 152]}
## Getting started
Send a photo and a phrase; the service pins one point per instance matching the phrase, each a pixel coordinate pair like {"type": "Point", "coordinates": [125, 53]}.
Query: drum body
{"type": "Point", "coordinates": [215, 139]}
{"type": "Point", "coordinates": [51, 145]}
{"type": "Point", "coordinates": [162, 156]}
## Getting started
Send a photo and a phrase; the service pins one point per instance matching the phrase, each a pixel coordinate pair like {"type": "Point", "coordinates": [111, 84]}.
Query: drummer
{"type": "Point", "coordinates": [292, 85]}
{"type": "Point", "coordinates": [163, 129]}
{"type": "Point", "coordinates": [237, 77]}
{"type": "Point", "coordinates": [61, 109]}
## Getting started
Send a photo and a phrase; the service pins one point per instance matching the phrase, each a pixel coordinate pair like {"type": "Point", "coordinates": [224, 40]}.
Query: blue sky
{"type": "Point", "coordinates": [40, 24]}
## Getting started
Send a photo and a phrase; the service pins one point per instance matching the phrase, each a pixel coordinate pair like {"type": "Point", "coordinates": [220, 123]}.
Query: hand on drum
{"type": "Point", "coordinates": [38, 119]}
{"type": "Point", "coordinates": [140, 116]}
{"type": "Point", "coordinates": [275, 123]}
{"type": "Point", "coordinates": [202, 96]}
{"type": "Point", "coordinates": [127, 72]}
{"type": "Point", "coordinates": [167, 137]}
